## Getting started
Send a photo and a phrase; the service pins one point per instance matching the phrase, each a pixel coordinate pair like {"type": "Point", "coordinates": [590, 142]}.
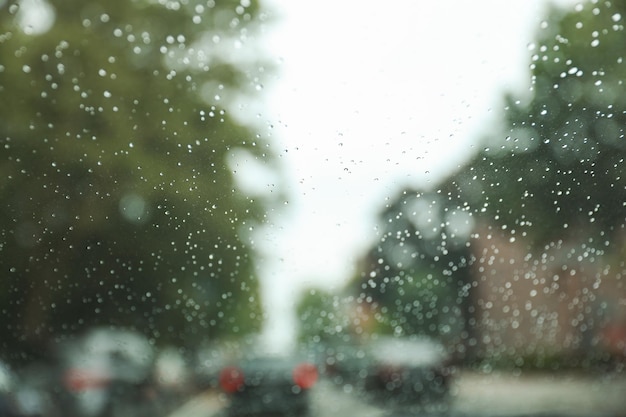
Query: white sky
{"type": "Point", "coordinates": [371, 97]}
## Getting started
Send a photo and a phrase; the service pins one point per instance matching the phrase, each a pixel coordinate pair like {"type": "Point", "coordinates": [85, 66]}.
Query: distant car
{"type": "Point", "coordinates": [268, 386]}
{"type": "Point", "coordinates": [393, 372]}
{"type": "Point", "coordinates": [106, 372]}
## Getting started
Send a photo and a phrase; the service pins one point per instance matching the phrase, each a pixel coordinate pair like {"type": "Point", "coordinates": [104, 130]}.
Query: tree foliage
{"type": "Point", "coordinates": [119, 207]}
{"type": "Point", "coordinates": [418, 275]}
{"type": "Point", "coordinates": [555, 174]}
{"type": "Point", "coordinates": [558, 170]}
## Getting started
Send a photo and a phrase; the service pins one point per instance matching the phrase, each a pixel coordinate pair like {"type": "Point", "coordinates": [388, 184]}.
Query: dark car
{"type": "Point", "coordinates": [268, 386]}
{"type": "Point", "coordinates": [393, 372]}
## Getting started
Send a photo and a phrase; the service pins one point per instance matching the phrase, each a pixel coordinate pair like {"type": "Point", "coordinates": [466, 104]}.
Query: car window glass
{"type": "Point", "coordinates": [267, 207]}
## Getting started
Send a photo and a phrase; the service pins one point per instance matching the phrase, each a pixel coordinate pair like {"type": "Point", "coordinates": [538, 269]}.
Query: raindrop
{"type": "Point", "coordinates": [133, 208]}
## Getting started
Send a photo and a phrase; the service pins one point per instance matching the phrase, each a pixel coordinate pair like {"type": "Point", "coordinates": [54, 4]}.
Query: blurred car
{"type": "Point", "coordinates": [268, 386]}
{"type": "Point", "coordinates": [37, 391]}
{"type": "Point", "coordinates": [393, 372]}
{"type": "Point", "coordinates": [8, 405]}
{"type": "Point", "coordinates": [106, 372]}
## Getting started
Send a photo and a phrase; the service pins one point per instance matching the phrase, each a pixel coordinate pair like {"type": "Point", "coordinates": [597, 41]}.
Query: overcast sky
{"type": "Point", "coordinates": [372, 97]}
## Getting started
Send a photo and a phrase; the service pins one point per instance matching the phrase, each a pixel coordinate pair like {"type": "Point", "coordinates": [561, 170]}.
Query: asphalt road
{"type": "Point", "coordinates": [557, 394]}
{"type": "Point", "coordinates": [473, 394]}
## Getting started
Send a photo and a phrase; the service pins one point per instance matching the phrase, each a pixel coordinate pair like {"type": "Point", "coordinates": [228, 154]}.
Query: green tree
{"type": "Point", "coordinates": [554, 177]}
{"type": "Point", "coordinates": [555, 174]}
{"type": "Point", "coordinates": [320, 316]}
{"type": "Point", "coordinates": [418, 276]}
{"type": "Point", "coordinates": [118, 203]}
{"type": "Point", "coordinates": [558, 170]}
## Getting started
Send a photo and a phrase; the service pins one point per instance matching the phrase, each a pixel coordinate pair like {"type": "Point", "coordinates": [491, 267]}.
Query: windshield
{"type": "Point", "coordinates": [261, 207]}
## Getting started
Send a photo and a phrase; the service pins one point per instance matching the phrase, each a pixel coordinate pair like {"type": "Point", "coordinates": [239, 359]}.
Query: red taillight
{"type": "Point", "coordinates": [231, 379]}
{"type": "Point", "coordinates": [305, 375]}
{"type": "Point", "coordinates": [76, 379]}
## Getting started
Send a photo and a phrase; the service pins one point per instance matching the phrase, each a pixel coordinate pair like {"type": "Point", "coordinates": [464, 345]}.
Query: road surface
{"type": "Point", "coordinates": [472, 394]}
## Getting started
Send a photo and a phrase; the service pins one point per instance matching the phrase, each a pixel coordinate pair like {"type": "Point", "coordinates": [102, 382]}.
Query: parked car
{"type": "Point", "coordinates": [8, 404]}
{"type": "Point", "coordinates": [107, 372]}
{"type": "Point", "coordinates": [392, 372]}
{"type": "Point", "coordinates": [269, 385]}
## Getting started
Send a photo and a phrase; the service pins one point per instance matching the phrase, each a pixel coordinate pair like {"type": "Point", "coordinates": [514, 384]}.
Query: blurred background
{"type": "Point", "coordinates": [189, 182]}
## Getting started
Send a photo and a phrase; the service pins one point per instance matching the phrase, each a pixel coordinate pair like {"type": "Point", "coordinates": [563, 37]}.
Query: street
{"type": "Point", "coordinates": [473, 394]}
{"type": "Point", "coordinates": [556, 394]}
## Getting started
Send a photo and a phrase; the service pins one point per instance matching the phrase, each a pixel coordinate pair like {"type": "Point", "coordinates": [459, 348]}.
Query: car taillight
{"type": "Point", "coordinates": [305, 375]}
{"type": "Point", "coordinates": [77, 379]}
{"type": "Point", "coordinates": [231, 379]}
